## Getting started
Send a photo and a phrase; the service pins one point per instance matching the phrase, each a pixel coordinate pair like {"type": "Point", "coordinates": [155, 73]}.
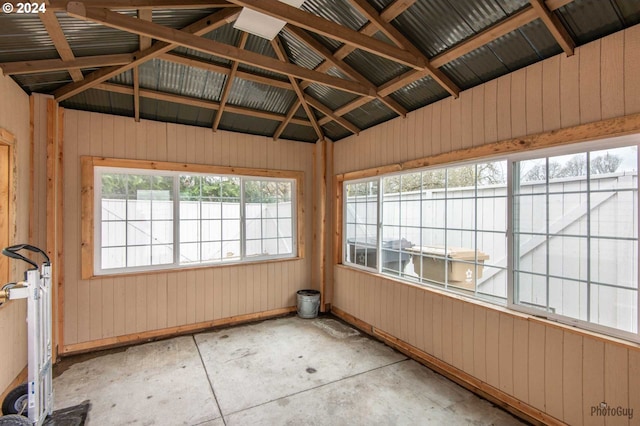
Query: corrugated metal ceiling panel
{"type": "Point", "coordinates": [90, 38]}
{"type": "Point", "coordinates": [101, 101]}
{"type": "Point", "coordinates": [332, 98]}
{"type": "Point", "coordinates": [373, 67]}
{"type": "Point", "coordinates": [43, 83]}
{"type": "Point", "coordinates": [419, 93]}
{"type": "Point", "coordinates": [587, 20]}
{"type": "Point", "coordinates": [297, 132]}
{"type": "Point", "coordinates": [15, 47]}
{"type": "Point", "coordinates": [338, 11]}
{"type": "Point", "coordinates": [258, 96]}
{"type": "Point", "coordinates": [370, 114]}
{"type": "Point", "coordinates": [334, 131]}
{"type": "Point", "coordinates": [246, 124]}
{"type": "Point", "coordinates": [180, 18]}
{"type": "Point", "coordinates": [170, 112]}
{"type": "Point", "coordinates": [630, 10]}
{"type": "Point", "coordinates": [298, 52]}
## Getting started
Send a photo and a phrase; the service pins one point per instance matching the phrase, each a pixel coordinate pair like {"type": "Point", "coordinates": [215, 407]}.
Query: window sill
{"type": "Point", "coordinates": [191, 268]}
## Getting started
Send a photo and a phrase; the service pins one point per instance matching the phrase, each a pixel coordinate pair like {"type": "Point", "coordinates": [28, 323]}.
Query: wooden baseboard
{"type": "Point", "coordinates": [20, 378]}
{"type": "Point", "coordinates": [128, 339]}
{"type": "Point", "coordinates": [464, 379]}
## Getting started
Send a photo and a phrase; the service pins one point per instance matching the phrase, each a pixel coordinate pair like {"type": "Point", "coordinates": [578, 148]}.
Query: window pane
{"type": "Point", "coordinates": [231, 250]}
{"type": "Point", "coordinates": [138, 233]}
{"type": "Point", "coordinates": [568, 298]}
{"type": "Point", "coordinates": [162, 232]}
{"type": "Point", "coordinates": [161, 254]}
{"type": "Point", "coordinates": [189, 252]}
{"type": "Point", "coordinates": [568, 257]}
{"type": "Point", "coordinates": [530, 213]}
{"type": "Point", "coordinates": [211, 251]}
{"type": "Point", "coordinates": [138, 256]}
{"type": "Point", "coordinates": [211, 230]}
{"type": "Point", "coordinates": [615, 214]}
{"type": "Point", "coordinates": [361, 203]}
{"type": "Point", "coordinates": [114, 234]}
{"type": "Point", "coordinates": [285, 245]}
{"type": "Point", "coordinates": [114, 257]}
{"type": "Point", "coordinates": [614, 262]}
{"type": "Point", "coordinates": [615, 307]}
{"type": "Point", "coordinates": [254, 247]}
{"type": "Point", "coordinates": [189, 231]}
{"type": "Point", "coordinates": [531, 290]}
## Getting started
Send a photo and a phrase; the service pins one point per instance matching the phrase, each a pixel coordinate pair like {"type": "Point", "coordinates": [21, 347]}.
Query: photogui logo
{"type": "Point", "coordinates": [603, 410]}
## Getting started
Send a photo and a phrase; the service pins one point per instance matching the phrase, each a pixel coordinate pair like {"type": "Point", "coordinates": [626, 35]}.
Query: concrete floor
{"type": "Point", "coordinates": [286, 371]}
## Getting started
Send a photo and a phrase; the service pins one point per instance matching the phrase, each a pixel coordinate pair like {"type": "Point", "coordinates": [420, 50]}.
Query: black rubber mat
{"type": "Point", "coordinates": [71, 416]}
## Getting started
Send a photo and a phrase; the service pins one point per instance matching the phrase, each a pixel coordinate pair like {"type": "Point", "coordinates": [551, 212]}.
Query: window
{"type": "Point", "coordinates": [550, 233]}
{"type": "Point", "coordinates": [146, 219]}
{"type": "Point", "coordinates": [575, 237]}
{"type": "Point", "coordinates": [430, 232]}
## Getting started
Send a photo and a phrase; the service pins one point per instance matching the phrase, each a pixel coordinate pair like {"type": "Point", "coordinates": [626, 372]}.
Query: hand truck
{"type": "Point", "coordinates": [34, 398]}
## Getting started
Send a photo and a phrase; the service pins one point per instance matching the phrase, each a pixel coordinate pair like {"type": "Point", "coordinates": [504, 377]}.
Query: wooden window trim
{"type": "Point", "coordinates": [89, 163]}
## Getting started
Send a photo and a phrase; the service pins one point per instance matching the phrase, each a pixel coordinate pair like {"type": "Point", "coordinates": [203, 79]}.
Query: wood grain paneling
{"type": "Point", "coordinates": [103, 309]}
{"type": "Point", "coordinates": [15, 120]}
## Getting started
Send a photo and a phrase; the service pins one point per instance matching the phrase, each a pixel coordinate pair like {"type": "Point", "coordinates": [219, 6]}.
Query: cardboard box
{"type": "Point", "coordinates": [433, 260]}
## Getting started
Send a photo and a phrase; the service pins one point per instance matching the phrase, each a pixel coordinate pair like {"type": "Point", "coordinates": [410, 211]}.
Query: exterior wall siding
{"type": "Point", "coordinates": [554, 369]}
{"type": "Point", "coordinates": [109, 307]}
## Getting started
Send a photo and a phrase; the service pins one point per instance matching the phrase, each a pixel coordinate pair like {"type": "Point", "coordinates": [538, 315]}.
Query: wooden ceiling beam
{"type": "Point", "coordinates": [327, 111]}
{"type": "Point", "coordinates": [554, 26]}
{"type": "Point", "coordinates": [200, 27]}
{"type": "Point", "coordinates": [319, 25]}
{"type": "Point", "coordinates": [280, 53]}
{"type": "Point", "coordinates": [60, 5]}
{"type": "Point", "coordinates": [50, 65]}
{"type": "Point", "coordinates": [399, 39]}
{"type": "Point", "coordinates": [512, 23]}
{"type": "Point", "coordinates": [321, 50]}
{"type": "Point", "coordinates": [51, 24]}
{"type": "Point", "coordinates": [145, 15]}
{"type": "Point", "coordinates": [390, 13]}
{"type": "Point", "coordinates": [196, 102]}
{"type": "Point", "coordinates": [287, 120]}
{"type": "Point", "coordinates": [144, 43]}
{"type": "Point", "coordinates": [222, 69]}
{"type": "Point", "coordinates": [182, 38]}
{"type": "Point", "coordinates": [229, 83]}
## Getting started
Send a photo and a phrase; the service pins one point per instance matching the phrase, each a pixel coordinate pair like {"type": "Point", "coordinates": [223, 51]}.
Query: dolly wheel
{"type": "Point", "coordinates": [16, 401]}
{"type": "Point", "coordinates": [14, 420]}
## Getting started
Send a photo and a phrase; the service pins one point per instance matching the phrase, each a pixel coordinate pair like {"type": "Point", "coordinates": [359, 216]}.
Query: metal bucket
{"type": "Point", "coordinates": [308, 303]}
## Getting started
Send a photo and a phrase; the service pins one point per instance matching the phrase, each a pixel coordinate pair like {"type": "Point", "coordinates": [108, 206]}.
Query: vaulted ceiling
{"type": "Point", "coordinates": [337, 67]}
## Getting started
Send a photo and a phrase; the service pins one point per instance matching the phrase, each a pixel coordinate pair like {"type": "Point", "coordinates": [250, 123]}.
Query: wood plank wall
{"type": "Point", "coordinates": [14, 117]}
{"type": "Point", "coordinates": [99, 310]}
{"type": "Point", "coordinates": [557, 371]}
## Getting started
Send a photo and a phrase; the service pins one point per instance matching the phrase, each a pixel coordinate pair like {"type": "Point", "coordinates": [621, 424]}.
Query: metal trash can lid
{"type": "Point", "coordinates": [308, 292]}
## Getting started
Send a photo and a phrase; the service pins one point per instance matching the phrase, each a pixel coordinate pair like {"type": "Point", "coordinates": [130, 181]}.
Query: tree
{"type": "Point", "coordinates": [607, 163]}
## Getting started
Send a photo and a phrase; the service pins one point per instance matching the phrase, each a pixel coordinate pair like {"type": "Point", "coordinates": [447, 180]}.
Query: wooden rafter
{"type": "Point", "coordinates": [197, 102]}
{"type": "Point", "coordinates": [490, 34]}
{"type": "Point", "coordinates": [145, 15]}
{"type": "Point", "coordinates": [51, 24]}
{"type": "Point", "coordinates": [49, 65]}
{"type": "Point", "coordinates": [182, 38]}
{"type": "Point", "coordinates": [327, 111]}
{"type": "Point", "coordinates": [554, 26]}
{"type": "Point", "coordinates": [281, 54]}
{"type": "Point", "coordinates": [60, 5]}
{"type": "Point", "coordinates": [144, 43]}
{"type": "Point", "coordinates": [287, 120]}
{"type": "Point", "coordinates": [320, 49]}
{"type": "Point", "coordinates": [318, 25]}
{"type": "Point", "coordinates": [200, 27]}
{"type": "Point", "coordinates": [227, 87]}
{"type": "Point", "coordinates": [397, 37]}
